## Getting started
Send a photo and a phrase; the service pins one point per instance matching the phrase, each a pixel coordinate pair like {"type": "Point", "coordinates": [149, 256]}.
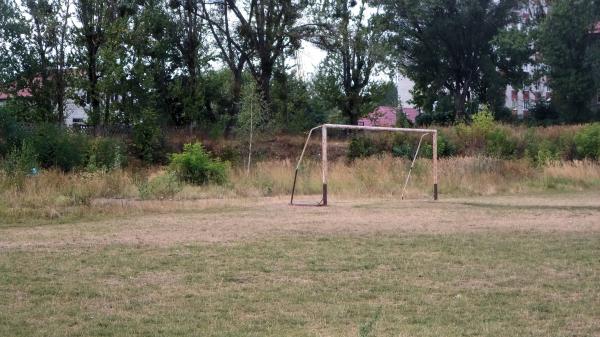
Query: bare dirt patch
{"type": "Point", "coordinates": [242, 219]}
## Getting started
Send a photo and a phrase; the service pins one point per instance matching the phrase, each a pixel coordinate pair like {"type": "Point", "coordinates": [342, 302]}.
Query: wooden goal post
{"type": "Point", "coordinates": [324, 163]}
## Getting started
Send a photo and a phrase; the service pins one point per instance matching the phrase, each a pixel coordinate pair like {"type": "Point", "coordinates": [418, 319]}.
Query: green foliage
{"type": "Point", "coordinates": [11, 131]}
{"type": "Point", "coordinates": [435, 118]}
{"type": "Point", "coordinates": [499, 143]}
{"type": "Point", "coordinates": [572, 55]}
{"type": "Point", "coordinates": [361, 147]}
{"type": "Point", "coordinates": [106, 154]}
{"type": "Point", "coordinates": [346, 29]}
{"type": "Point", "coordinates": [544, 113]}
{"type": "Point", "coordinates": [161, 187]}
{"type": "Point", "coordinates": [542, 151]}
{"type": "Point", "coordinates": [148, 138]}
{"type": "Point", "coordinates": [293, 105]}
{"type": "Point", "coordinates": [587, 141]}
{"type": "Point", "coordinates": [467, 68]}
{"type": "Point", "coordinates": [194, 165]}
{"type": "Point", "coordinates": [483, 121]}
{"type": "Point", "coordinates": [253, 112]}
{"type": "Point", "coordinates": [19, 163]}
{"type": "Point", "coordinates": [59, 147]}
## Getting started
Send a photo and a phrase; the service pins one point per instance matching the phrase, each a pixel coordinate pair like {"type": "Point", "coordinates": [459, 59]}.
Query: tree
{"type": "Point", "coordinates": [61, 67]}
{"type": "Point", "coordinates": [570, 47]}
{"type": "Point", "coordinates": [14, 48]}
{"type": "Point", "coordinates": [189, 56]}
{"type": "Point", "coordinates": [448, 46]}
{"type": "Point", "coordinates": [354, 44]}
{"type": "Point", "coordinates": [327, 96]}
{"type": "Point", "coordinates": [223, 30]}
{"type": "Point", "coordinates": [266, 30]}
{"type": "Point", "coordinates": [94, 17]}
{"type": "Point", "coordinates": [44, 25]}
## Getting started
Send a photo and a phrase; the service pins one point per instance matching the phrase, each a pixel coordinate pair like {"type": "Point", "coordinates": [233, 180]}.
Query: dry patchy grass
{"type": "Point", "coordinates": [58, 197]}
{"type": "Point", "coordinates": [493, 266]}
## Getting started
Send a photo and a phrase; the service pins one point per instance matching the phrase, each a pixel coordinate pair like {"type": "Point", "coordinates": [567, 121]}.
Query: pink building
{"type": "Point", "coordinates": [386, 116]}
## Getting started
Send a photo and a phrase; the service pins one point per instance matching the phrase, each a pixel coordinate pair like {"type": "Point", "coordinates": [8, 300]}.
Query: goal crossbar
{"type": "Point", "coordinates": [324, 163]}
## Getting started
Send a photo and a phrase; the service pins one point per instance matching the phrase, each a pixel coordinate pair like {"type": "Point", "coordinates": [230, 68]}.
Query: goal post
{"type": "Point", "coordinates": [324, 161]}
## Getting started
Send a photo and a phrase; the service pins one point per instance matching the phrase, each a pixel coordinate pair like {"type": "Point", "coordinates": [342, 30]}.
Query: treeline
{"type": "Point", "coordinates": [209, 63]}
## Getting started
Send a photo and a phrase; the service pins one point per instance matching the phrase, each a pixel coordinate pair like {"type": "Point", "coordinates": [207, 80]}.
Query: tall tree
{"type": "Point", "coordinates": [267, 30]}
{"type": "Point", "coordinates": [354, 43]}
{"type": "Point", "coordinates": [14, 49]}
{"type": "Point", "coordinates": [448, 45]}
{"type": "Point", "coordinates": [231, 50]}
{"type": "Point", "coordinates": [95, 17]}
{"type": "Point", "coordinates": [61, 67]}
{"type": "Point", "coordinates": [189, 54]}
{"type": "Point", "coordinates": [570, 46]}
{"type": "Point", "coordinates": [44, 40]}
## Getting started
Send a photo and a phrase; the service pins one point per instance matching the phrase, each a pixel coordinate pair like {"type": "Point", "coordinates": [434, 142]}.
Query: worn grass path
{"type": "Point", "coordinates": [503, 266]}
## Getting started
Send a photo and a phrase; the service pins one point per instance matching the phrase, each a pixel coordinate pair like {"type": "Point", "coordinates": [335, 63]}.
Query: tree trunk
{"type": "Point", "coordinates": [236, 94]}
{"type": "Point", "coordinates": [459, 105]}
{"type": "Point", "coordinates": [265, 86]}
{"type": "Point", "coordinates": [93, 84]}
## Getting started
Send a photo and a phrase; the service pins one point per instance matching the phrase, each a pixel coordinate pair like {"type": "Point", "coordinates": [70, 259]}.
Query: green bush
{"type": "Point", "coordinates": [59, 147]}
{"type": "Point", "coordinates": [160, 187]}
{"type": "Point", "coordinates": [587, 142]}
{"type": "Point", "coordinates": [499, 143]}
{"type": "Point", "coordinates": [12, 133]}
{"type": "Point", "coordinates": [483, 122]}
{"type": "Point", "coordinates": [361, 147]}
{"type": "Point", "coordinates": [19, 163]}
{"type": "Point", "coordinates": [402, 150]}
{"type": "Point", "coordinates": [106, 154]}
{"type": "Point", "coordinates": [148, 138]}
{"type": "Point", "coordinates": [195, 165]}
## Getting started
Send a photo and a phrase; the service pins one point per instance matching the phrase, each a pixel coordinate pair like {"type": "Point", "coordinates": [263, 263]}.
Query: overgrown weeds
{"type": "Point", "coordinates": [54, 192]}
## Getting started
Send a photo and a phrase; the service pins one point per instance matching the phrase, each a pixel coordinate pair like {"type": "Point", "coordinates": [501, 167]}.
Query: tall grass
{"type": "Point", "coordinates": [54, 194]}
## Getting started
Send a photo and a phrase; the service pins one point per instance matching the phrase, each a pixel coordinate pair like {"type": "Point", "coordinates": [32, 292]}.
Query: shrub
{"type": "Point", "coordinates": [11, 132]}
{"type": "Point", "coordinates": [483, 122]}
{"type": "Point", "coordinates": [402, 150]}
{"type": "Point", "coordinates": [543, 113]}
{"type": "Point", "coordinates": [587, 142]}
{"type": "Point", "coordinates": [19, 163]}
{"type": "Point", "coordinates": [59, 147]}
{"type": "Point", "coordinates": [148, 138]}
{"type": "Point", "coordinates": [195, 165]}
{"type": "Point", "coordinates": [160, 187]}
{"type": "Point", "coordinates": [361, 147]}
{"type": "Point", "coordinates": [500, 144]}
{"type": "Point", "coordinates": [437, 118]}
{"type": "Point", "coordinates": [105, 154]}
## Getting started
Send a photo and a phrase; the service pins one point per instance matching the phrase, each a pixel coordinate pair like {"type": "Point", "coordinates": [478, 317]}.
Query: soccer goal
{"type": "Point", "coordinates": [325, 127]}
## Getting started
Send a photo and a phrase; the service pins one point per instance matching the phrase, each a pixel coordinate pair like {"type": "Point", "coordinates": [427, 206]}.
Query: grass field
{"type": "Point", "coordinates": [487, 266]}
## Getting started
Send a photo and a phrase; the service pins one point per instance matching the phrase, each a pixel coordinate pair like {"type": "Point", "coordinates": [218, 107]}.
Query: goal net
{"type": "Point", "coordinates": [422, 133]}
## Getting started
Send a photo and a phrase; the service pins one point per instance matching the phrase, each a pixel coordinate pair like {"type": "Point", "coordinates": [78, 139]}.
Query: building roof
{"type": "Point", "coordinates": [381, 116]}
{"type": "Point", "coordinates": [386, 116]}
{"type": "Point", "coordinates": [20, 93]}
{"type": "Point", "coordinates": [411, 114]}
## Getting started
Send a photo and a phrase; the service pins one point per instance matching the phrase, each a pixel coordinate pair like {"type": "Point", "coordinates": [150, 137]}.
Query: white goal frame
{"type": "Point", "coordinates": [324, 163]}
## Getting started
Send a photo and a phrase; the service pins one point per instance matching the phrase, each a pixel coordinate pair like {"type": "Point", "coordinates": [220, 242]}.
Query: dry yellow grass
{"type": "Point", "coordinates": [56, 195]}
